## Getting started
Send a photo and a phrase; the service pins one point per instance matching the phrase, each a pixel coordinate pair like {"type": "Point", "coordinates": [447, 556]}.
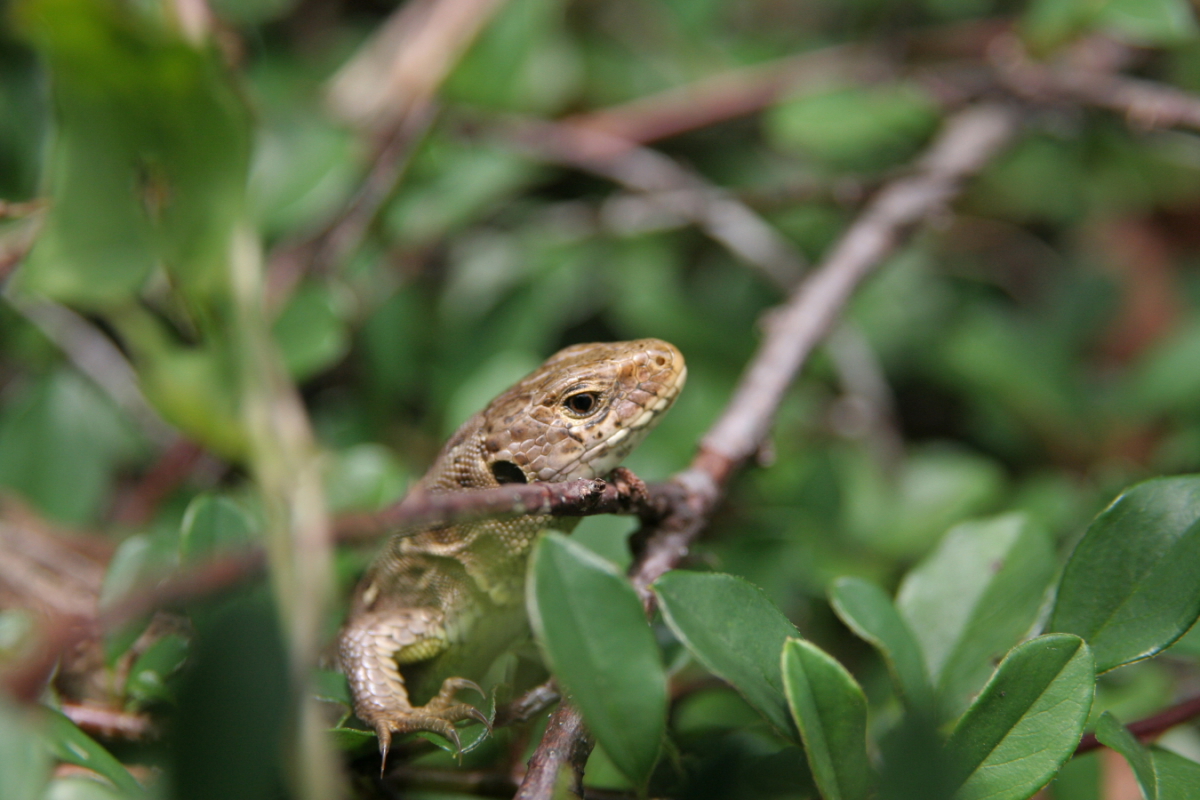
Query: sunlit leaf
{"type": "Point", "coordinates": [973, 598]}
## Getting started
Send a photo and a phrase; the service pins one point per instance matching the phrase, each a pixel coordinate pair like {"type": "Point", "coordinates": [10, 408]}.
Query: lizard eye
{"type": "Point", "coordinates": [582, 403]}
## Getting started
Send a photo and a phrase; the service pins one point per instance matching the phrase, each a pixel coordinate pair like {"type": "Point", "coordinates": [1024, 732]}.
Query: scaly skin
{"type": "Point", "coordinates": [449, 599]}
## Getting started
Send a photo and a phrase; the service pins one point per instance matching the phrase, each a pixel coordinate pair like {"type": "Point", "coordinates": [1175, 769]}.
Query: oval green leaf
{"type": "Point", "coordinates": [831, 711]}
{"type": "Point", "coordinates": [24, 762]}
{"type": "Point", "coordinates": [148, 678]}
{"type": "Point", "coordinates": [74, 746]}
{"type": "Point", "coordinates": [1178, 777]}
{"type": "Point", "coordinates": [589, 622]}
{"type": "Point", "coordinates": [869, 612]}
{"type": "Point", "coordinates": [1111, 733]}
{"type": "Point", "coordinates": [1027, 721]}
{"type": "Point", "coordinates": [973, 598]}
{"type": "Point", "coordinates": [1130, 587]}
{"type": "Point", "coordinates": [731, 628]}
{"type": "Point", "coordinates": [1161, 774]}
{"type": "Point", "coordinates": [213, 525]}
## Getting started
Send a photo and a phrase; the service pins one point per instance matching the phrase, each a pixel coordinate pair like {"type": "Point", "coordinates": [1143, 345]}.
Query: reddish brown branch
{"type": "Point", "coordinates": [624, 494]}
{"type": "Point", "coordinates": [1142, 103]}
{"type": "Point", "coordinates": [1152, 726]}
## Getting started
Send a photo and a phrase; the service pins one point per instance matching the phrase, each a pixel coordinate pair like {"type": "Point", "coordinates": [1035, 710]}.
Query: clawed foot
{"type": "Point", "coordinates": [437, 716]}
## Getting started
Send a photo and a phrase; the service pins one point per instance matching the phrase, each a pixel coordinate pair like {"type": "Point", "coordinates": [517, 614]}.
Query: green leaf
{"type": "Point", "coordinates": [24, 761]}
{"type": "Point", "coordinates": [1027, 721]}
{"type": "Point", "coordinates": [138, 562]}
{"type": "Point", "coordinates": [1129, 588]}
{"type": "Point", "coordinates": [1161, 774]}
{"type": "Point", "coordinates": [591, 626]}
{"type": "Point", "coordinates": [213, 525]}
{"type": "Point", "coordinates": [1149, 22]}
{"type": "Point", "coordinates": [311, 331]}
{"type": "Point", "coordinates": [869, 612]}
{"type": "Point", "coordinates": [74, 746]}
{"type": "Point", "coordinates": [1111, 733]}
{"type": "Point", "coordinates": [60, 443]}
{"type": "Point", "coordinates": [830, 710]}
{"type": "Point", "coordinates": [731, 627]}
{"type": "Point", "coordinates": [856, 128]}
{"type": "Point", "coordinates": [150, 160]}
{"type": "Point", "coordinates": [148, 678]}
{"type": "Point", "coordinates": [973, 598]}
{"type": "Point", "coordinates": [1178, 777]}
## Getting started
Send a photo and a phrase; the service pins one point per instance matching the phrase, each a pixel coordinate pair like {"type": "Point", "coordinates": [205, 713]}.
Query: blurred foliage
{"type": "Point", "coordinates": [1039, 351]}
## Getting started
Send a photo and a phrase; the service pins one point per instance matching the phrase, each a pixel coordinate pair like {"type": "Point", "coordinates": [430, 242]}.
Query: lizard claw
{"type": "Point", "coordinates": [437, 716]}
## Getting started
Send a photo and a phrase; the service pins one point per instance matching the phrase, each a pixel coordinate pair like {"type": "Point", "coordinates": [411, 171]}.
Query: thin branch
{"type": "Point", "coordinates": [624, 493]}
{"type": "Point", "coordinates": [1143, 104]}
{"type": "Point", "coordinates": [668, 185]}
{"type": "Point", "coordinates": [343, 233]}
{"type": "Point", "coordinates": [93, 353]}
{"type": "Point", "coordinates": [1150, 727]}
{"type": "Point", "coordinates": [968, 141]}
{"type": "Point", "coordinates": [109, 723]}
{"type": "Point", "coordinates": [734, 93]}
{"type": "Point", "coordinates": [525, 707]}
{"type": "Point", "coordinates": [566, 742]}
{"type": "Point", "coordinates": [400, 69]}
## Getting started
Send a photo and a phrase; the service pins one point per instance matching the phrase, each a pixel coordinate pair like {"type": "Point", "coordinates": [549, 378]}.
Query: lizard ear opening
{"type": "Point", "coordinates": [507, 472]}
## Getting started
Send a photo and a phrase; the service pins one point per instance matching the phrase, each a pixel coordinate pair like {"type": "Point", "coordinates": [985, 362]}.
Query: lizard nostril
{"type": "Point", "coordinates": [507, 472]}
{"type": "Point", "coordinates": [660, 361]}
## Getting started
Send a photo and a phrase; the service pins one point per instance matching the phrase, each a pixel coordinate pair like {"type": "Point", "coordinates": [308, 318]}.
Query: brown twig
{"type": "Point", "coordinates": [1151, 726]}
{"type": "Point", "coordinates": [967, 142]}
{"type": "Point", "coordinates": [527, 705]}
{"type": "Point", "coordinates": [1142, 103]}
{"type": "Point", "coordinates": [342, 235]}
{"type": "Point", "coordinates": [734, 93]}
{"type": "Point", "coordinates": [583, 497]}
{"type": "Point", "coordinates": [566, 742]}
{"type": "Point", "coordinates": [109, 723]}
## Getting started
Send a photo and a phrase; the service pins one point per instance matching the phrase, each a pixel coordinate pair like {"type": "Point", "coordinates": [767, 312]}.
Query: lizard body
{"type": "Point", "coordinates": [449, 599]}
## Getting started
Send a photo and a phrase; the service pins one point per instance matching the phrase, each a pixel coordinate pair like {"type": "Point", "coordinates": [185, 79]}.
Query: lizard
{"type": "Point", "coordinates": [440, 603]}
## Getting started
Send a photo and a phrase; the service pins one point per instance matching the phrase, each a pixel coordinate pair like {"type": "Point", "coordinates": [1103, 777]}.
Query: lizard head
{"type": "Point", "coordinates": [581, 412]}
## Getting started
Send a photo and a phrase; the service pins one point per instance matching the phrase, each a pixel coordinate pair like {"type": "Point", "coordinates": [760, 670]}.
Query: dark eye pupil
{"type": "Point", "coordinates": [581, 403]}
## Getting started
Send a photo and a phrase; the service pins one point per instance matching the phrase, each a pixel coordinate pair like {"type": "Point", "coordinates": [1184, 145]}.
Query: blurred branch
{"type": "Point", "coordinates": [93, 353]}
{"type": "Point", "coordinates": [1142, 103]}
{"type": "Point", "coordinates": [1150, 727]}
{"type": "Point", "coordinates": [742, 91]}
{"type": "Point", "coordinates": [108, 722]}
{"type": "Point", "coordinates": [734, 93]}
{"type": "Point", "coordinates": [68, 626]}
{"type": "Point", "coordinates": [343, 234]}
{"type": "Point", "coordinates": [667, 185]}
{"type": "Point", "coordinates": [967, 142]}
{"type": "Point", "coordinates": [397, 73]}
{"type": "Point", "coordinates": [388, 88]}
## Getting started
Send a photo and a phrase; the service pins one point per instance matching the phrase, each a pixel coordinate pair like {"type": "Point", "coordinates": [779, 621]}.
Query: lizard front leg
{"type": "Point", "coordinates": [371, 649]}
